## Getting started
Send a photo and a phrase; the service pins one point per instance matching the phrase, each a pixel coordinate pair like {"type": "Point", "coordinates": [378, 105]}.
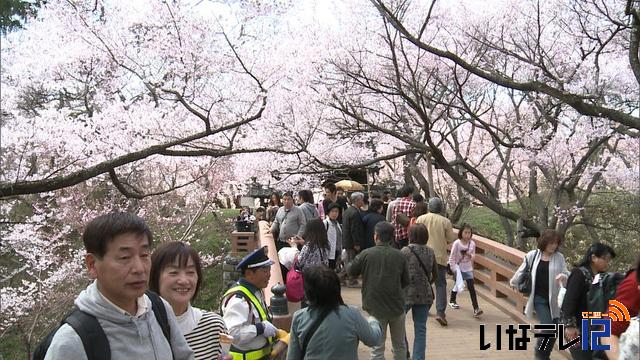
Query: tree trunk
{"type": "Point", "coordinates": [457, 212]}
{"type": "Point", "coordinates": [425, 185]}
{"type": "Point", "coordinates": [521, 240]}
{"type": "Point", "coordinates": [431, 193]}
{"type": "Point", "coordinates": [508, 229]}
{"type": "Point", "coordinates": [539, 204]}
{"type": "Point", "coordinates": [593, 234]}
{"type": "Point", "coordinates": [406, 170]}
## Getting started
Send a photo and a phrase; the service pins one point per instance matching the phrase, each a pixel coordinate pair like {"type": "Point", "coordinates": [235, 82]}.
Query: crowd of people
{"type": "Point", "coordinates": [395, 250]}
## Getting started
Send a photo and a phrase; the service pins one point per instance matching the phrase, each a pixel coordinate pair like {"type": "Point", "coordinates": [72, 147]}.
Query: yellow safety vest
{"type": "Point", "coordinates": [237, 354]}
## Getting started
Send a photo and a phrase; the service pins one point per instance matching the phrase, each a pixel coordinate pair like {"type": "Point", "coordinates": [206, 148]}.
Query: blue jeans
{"type": "Point", "coordinates": [419, 314]}
{"type": "Point", "coordinates": [543, 313]}
{"type": "Point", "coordinates": [441, 290]}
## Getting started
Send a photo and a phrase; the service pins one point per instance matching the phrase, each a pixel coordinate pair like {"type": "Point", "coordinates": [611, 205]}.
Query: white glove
{"type": "Point", "coordinates": [269, 329]}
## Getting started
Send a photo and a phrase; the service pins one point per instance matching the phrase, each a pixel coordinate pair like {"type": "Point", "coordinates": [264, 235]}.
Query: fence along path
{"type": "Point", "coordinates": [495, 264]}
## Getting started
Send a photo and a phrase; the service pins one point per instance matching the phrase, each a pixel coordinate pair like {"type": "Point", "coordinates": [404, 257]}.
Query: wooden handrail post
{"type": "Point", "coordinates": [265, 238]}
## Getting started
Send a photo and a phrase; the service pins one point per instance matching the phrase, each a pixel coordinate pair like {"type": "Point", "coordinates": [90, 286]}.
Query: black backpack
{"type": "Point", "coordinates": [600, 293]}
{"type": "Point", "coordinates": [94, 340]}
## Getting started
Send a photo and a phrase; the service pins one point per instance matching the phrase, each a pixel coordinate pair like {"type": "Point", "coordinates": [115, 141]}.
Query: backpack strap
{"type": "Point", "coordinates": [94, 340]}
{"type": "Point", "coordinates": [312, 330]}
{"type": "Point", "coordinates": [157, 305]}
{"type": "Point", "coordinates": [588, 277]}
{"type": "Point", "coordinates": [424, 268]}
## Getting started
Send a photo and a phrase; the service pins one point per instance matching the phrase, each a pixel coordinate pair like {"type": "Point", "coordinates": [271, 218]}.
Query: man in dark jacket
{"type": "Point", "coordinates": [370, 219]}
{"type": "Point", "coordinates": [385, 273]}
{"type": "Point", "coordinates": [352, 232]}
{"type": "Point", "coordinates": [330, 197]}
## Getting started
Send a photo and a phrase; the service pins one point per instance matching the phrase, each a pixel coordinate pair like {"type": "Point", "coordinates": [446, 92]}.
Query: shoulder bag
{"type": "Point", "coordinates": [524, 281]}
{"type": "Point", "coordinates": [295, 283]}
{"type": "Point", "coordinates": [312, 330]}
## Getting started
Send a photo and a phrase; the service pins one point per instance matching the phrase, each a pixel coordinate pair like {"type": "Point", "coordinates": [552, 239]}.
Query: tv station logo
{"type": "Point", "coordinates": [594, 326]}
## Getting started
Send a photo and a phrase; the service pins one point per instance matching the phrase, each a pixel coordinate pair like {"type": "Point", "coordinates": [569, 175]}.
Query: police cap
{"type": "Point", "coordinates": [256, 259]}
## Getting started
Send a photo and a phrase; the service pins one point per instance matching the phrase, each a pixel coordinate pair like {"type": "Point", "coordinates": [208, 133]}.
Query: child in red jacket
{"type": "Point", "coordinates": [628, 293]}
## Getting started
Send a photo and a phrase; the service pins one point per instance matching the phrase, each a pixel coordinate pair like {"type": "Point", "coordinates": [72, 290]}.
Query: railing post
{"type": "Point", "coordinates": [279, 308]}
{"type": "Point", "coordinates": [265, 238]}
{"type": "Point", "coordinates": [243, 243]}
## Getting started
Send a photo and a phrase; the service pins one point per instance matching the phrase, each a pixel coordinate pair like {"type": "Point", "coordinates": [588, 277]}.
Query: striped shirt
{"type": "Point", "coordinates": [204, 338]}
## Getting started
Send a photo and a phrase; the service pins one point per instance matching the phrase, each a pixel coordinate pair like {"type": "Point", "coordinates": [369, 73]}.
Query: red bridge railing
{"type": "Point", "coordinates": [495, 264]}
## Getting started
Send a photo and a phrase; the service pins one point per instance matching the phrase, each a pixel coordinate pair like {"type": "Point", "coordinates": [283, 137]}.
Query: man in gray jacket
{"type": "Point", "coordinates": [118, 258]}
{"type": "Point", "coordinates": [290, 221]}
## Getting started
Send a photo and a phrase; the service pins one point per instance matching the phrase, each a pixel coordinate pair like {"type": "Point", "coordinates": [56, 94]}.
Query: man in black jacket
{"type": "Point", "coordinates": [352, 232]}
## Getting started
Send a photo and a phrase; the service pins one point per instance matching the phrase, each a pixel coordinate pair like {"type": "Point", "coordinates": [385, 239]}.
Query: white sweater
{"type": "Point", "coordinates": [557, 265]}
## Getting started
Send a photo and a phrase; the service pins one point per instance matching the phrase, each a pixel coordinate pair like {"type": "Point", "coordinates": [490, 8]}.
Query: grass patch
{"type": "Point", "coordinates": [212, 236]}
{"type": "Point", "coordinates": [11, 346]}
{"type": "Point", "coordinates": [485, 223]}
{"type": "Point", "coordinates": [211, 289]}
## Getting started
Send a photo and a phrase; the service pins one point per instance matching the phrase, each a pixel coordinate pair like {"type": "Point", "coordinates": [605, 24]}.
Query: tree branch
{"type": "Point", "coordinates": [574, 100]}
{"type": "Point", "coordinates": [135, 194]}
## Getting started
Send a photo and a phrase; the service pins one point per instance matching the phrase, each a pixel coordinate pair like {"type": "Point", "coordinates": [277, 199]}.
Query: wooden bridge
{"type": "Point", "coordinates": [495, 264]}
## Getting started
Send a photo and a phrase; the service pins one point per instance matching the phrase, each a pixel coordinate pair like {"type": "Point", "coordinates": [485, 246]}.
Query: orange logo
{"type": "Point", "coordinates": [617, 311]}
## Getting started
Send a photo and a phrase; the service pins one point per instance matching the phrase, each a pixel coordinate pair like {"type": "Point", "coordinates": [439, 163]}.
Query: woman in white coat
{"type": "Point", "coordinates": [548, 269]}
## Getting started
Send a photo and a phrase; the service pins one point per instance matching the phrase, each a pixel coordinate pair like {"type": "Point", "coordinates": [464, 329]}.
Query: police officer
{"type": "Point", "coordinates": [245, 312]}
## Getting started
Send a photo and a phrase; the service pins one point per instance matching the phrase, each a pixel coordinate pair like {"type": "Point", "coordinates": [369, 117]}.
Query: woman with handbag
{"type": "Point", "coordinates": [539, 276]}
{"type": "Point", "coordinates": [423, 271]}
{"type": "Point", "coordinates": [315, 250]}
{"type": "Point", "coordinates": [328, 329]}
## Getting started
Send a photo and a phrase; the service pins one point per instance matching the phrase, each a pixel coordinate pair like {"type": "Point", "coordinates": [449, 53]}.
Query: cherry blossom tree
{"type": "Point", "coordinates": [536, 108]}
{"type": "Point", "coordinates": [119, 106]}
{"type": "Point", "coordinates": [125, 86]}
{"type": "Point", "coordinates": [526, 107]}
{"type": "Point", "coordinates": [597, 37]}
{"type": "Point", "coordinates": [44, 257]}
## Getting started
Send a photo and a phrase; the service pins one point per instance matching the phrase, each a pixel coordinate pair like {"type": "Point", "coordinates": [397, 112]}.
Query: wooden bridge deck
{"type": "Point", "coordinates": [461, 338]}
{"type": "Point", "coordinates": [495, 264]}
